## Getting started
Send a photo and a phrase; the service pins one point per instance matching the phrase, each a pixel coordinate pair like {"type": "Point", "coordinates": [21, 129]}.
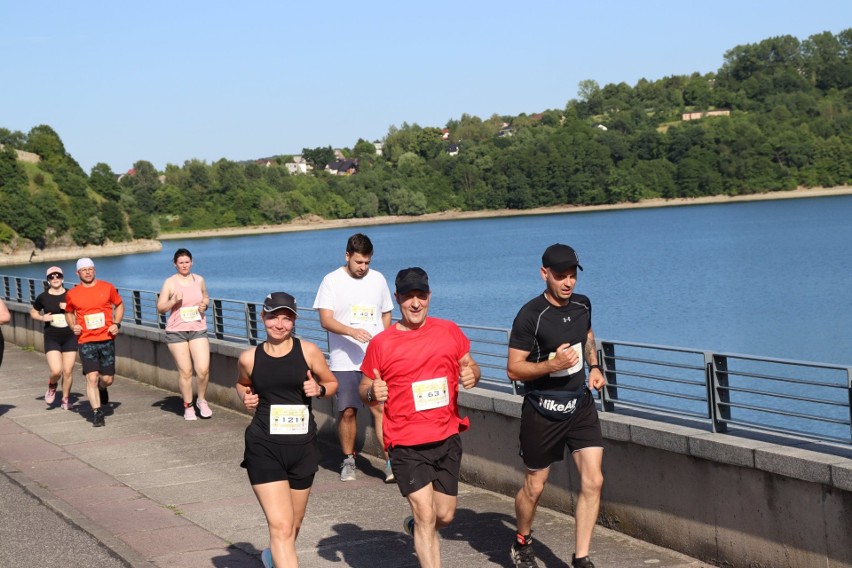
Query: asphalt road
{"type": "Point", "coordinates": [34, 536]}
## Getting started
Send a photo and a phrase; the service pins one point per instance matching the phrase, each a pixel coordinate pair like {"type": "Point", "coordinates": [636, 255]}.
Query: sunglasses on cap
{"type": "Point", "coordinates": [54, 276]}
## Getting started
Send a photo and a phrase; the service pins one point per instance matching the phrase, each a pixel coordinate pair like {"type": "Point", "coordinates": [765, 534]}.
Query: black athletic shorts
{"type": "Point", "coordinates": [98, 356]}
{"type": "Point", "coordinates": [64, 343]}
{"type": "Point", "coordinates": [438, 463]}
{"type": "Point", "coordinates": [267, 462]}
{"type": "Point", "coordinates": [543, 440]}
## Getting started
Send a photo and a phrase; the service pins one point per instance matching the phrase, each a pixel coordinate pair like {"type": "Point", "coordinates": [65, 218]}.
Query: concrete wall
{"type": "Point", "coordinates": [726, 500]}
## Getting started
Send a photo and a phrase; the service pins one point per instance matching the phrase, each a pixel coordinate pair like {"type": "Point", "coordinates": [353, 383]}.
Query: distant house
{"type": "Point", "coordinates": [298, 166]}
{"type": "Point", "coordinates": [601, 127]}
{"type": "Point", "coordinates": [453, 150]}
{"type": "Point", "coordinates": [701, 114]}
{"type": "Point", "coordinates": [379, 147]}
{"type": "Point", "coordinates": [344, 167]}
{"type": "Point", "coordinates": [445, 134]}
{"type": "Point", "coordinates": [506, 130]}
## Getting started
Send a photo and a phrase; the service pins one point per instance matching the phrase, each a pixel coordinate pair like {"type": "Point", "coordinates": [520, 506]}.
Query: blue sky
{"type": "Point", "coordinates": [169, 81]}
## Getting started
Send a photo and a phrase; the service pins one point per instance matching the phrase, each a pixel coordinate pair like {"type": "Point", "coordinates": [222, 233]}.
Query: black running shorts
{"type": "Point", "coordinates": [267, 462]}
{"type": "Point", "coordinates": [438, 463]}
{"type": "Point", "coordinates": [98, 356]}
{"type": "Point", "coordinates": [543, 440]}
{"type": "Point", "coordinates": [64, 343]}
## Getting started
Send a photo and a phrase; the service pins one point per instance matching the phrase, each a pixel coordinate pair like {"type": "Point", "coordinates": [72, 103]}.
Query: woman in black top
{"type": "Point", "coordinates": [60, 343]}
{"type": "Point", "coordinates": [277, 381]}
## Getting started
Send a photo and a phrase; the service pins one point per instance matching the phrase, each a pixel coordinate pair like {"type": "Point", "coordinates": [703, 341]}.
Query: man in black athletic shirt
{"type": "Point", "coordinates": [550, 346]}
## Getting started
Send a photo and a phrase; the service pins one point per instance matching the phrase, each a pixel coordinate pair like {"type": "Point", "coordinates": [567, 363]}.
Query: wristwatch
{"type": "Point", "coordinates": [322, 391]}
{"type": "Point", "coordinates": [596, 366]}
{"type": "Point", "coordinates": [370, 397]}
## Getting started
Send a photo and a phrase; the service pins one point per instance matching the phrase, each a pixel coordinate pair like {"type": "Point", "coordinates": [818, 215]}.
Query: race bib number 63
{"type": "Point", "coordinates": [429, 394]}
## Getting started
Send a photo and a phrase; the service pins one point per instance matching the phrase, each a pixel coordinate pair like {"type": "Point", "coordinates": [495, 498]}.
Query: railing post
{"type": "Point", "coordinates": [849, 391]}
{"type": "Point", "coordinates": [718, 395]}
{"type": "Point", "coordinates": [32, 286]}
{"type": "Point", "coordinates": [19, 297]}
{"type": "Point", "coordinates": [218, 319]}
{"type": "Point", "coordinates": [6, 287]}
{"type": "Point", "coordinates": [606, 358]}
{"type": "Point", "coordinates": [137, 307]}
{"type": "Point", "coordinates": [251, 323]}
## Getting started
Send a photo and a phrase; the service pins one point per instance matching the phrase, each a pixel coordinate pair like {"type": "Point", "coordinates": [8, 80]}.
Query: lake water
{"type": "Point", "coordinates": [763, 278]}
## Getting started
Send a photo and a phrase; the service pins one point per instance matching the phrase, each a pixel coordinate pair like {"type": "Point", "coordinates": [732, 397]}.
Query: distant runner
{"type": "Point", "coordinates": [94, 310]}
{"type": "Point", "coordinates": [60, 343]}
{"type": "Point", "coordinates": [354, 305]}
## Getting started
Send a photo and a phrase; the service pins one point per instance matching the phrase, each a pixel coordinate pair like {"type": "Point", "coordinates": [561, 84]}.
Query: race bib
{"type": "Point", "coordinates": [429, 394]}
{"type": "Point", "coordinates": [190, 314]}
{"type": "Point", "coordinates": [578, 349]}
{"type": "Point", "coordinates": [58, 320]}
{"type": "Point", "coordinates": [362, 314]}
{"type": "Point", "coordinates": [288, 419]}
{"type": "Point", "coordinates": [95, 321]}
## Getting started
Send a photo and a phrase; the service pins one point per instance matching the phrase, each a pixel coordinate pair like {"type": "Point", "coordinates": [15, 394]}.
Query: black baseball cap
{"type": "Point", "coordinates": [409, 279]}
{"type": "Point", "coordinates": [560, 257]}
{"type": "Point", "coordinates": [278, 301]}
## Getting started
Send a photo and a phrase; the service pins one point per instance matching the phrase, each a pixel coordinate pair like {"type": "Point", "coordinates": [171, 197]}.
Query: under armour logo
{"type": "Point", "coordinates": [566, 320]}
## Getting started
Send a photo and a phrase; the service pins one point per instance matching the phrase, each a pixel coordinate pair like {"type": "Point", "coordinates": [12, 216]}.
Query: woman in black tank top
{"type": "Point", "coordinates": [277, 381]}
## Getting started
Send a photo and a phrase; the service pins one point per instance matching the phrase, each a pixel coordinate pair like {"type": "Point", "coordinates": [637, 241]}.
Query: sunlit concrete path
{"type": "Point", "coordinates": [160, 491]}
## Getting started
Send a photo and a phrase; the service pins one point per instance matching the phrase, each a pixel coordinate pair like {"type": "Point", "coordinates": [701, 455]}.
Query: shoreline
{"type": "Point", "coordinates": [32, 254]}
{"type": "Point", "coordinates": [319, 224]}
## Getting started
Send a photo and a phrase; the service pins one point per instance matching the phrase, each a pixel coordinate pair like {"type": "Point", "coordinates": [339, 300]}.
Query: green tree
{"type": "Point", "coordinates": [318, 157]}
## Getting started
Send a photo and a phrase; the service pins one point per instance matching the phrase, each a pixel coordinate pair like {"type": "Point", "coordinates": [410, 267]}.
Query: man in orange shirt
{"type": "Point", "coordinates": [94, 310]}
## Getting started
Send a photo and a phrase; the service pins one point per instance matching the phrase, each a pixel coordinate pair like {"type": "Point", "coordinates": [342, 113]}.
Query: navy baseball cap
{"type": "Point", "coordinates": [409, 279]}
{"type": "Point", "coordinates": [560, 257]}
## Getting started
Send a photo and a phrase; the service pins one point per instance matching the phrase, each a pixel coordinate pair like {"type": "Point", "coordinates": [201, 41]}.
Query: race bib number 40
{"type": "Point", "coordinates": [95, 321]}
{"type": "Point", "coordinates": [429, 394]}
{"type": "Point", "coordinates": [288, 419]}
{"type": "Point", "coordinates": [362, 314]}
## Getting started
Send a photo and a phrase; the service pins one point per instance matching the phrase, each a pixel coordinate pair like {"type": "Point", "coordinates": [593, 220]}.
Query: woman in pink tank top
{"type": "Point", "coordinates": [184, 296]}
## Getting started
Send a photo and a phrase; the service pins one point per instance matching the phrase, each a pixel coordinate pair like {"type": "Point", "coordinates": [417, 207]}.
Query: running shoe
{"type": "Point", "coordinates": [408, 525]}
{"type": "Point", "coordinates": [389, 478]}
{"type": "Point", "coordinates": [584, 562]}
{"type": "Point", "coordinates": [98, 420]}
{"type": "Point", "coordinates": [523, 556]}
{"type": "Point", "coordinates": [266, 558]}
{"type": "Point", "coordinates": [203, 408]}
{"type": "Point", "coordinates": [347, 469]}
{"type": "Point", "coordinates": [104, 395]}
{"type": "Point", "coordinates": [66, 404]}
{"type": "Point", "coordinates": [188, 413]}
{"type": "Point", "coordinates": [50, 395]}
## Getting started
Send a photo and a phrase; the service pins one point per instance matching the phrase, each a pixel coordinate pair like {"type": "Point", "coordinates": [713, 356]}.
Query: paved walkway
{"type": "Point", "coordinates": [160, 491]}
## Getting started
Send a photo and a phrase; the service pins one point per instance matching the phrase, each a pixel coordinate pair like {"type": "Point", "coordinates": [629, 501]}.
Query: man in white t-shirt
{"type": "Point", "coordinates": [354, 305]}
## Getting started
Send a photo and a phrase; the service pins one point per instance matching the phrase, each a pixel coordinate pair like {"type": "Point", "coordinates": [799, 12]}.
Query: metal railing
{"type": "Point", "coordinates": [798, 398]}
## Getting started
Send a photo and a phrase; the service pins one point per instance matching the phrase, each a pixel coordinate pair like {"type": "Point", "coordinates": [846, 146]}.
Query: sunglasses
{"type": "Point", "coordinates": [54, 276]}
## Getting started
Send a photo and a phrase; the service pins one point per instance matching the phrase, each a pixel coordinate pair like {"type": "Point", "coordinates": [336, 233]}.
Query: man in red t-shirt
{"type": "Point", "coordinates": [94, 310]}
{"type": "Point", "coordinates": [415, 367]}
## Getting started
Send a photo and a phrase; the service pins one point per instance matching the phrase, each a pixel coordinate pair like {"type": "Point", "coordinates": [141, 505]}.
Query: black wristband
{"type": "Point", "coordinates": [596, 366]}
{"type": "Point", "coordinates": [322, 391]}
{"type": "Point", "coordinates": [117, 324]}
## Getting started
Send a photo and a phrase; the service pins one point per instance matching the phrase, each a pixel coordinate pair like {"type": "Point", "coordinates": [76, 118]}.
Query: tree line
{"type": "Point", "coordinates": [785, 123]}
